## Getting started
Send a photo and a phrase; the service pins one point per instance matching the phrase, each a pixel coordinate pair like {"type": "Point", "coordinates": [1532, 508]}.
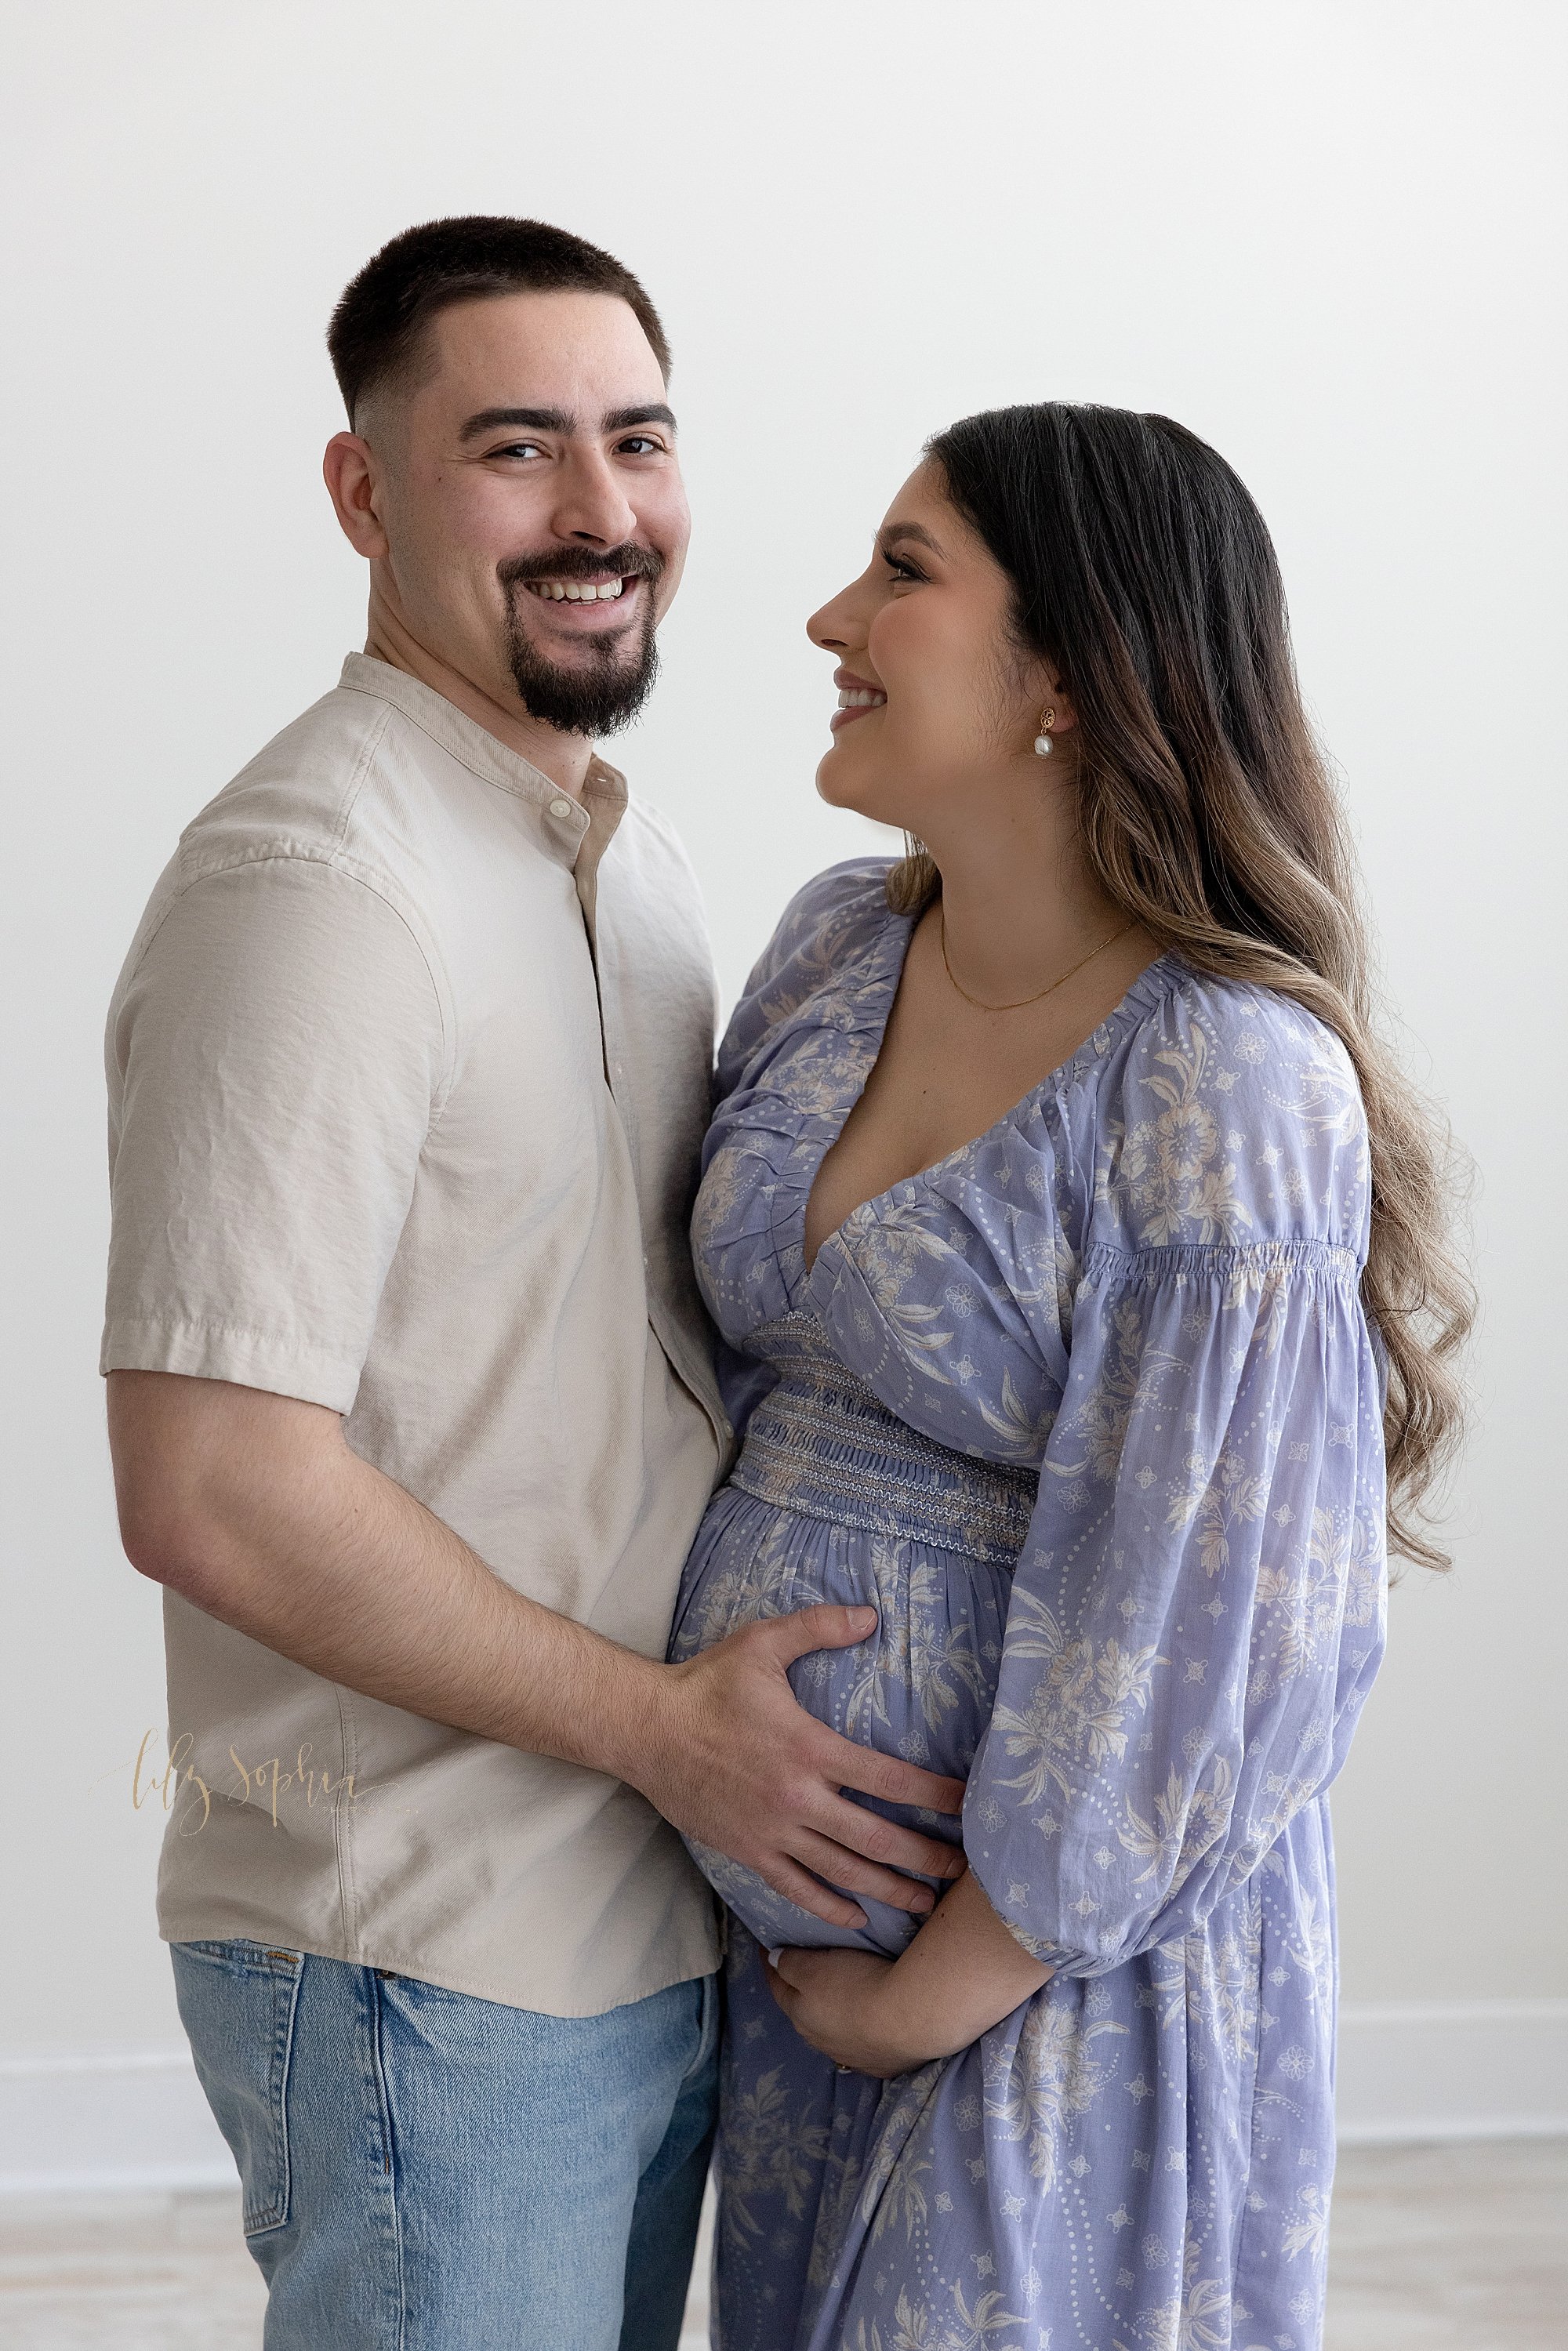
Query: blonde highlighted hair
{"type": "Point", "coordinates": [1141, 566]}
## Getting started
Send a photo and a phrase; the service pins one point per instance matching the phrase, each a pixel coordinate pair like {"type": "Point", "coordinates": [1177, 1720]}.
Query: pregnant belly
{"type": "Point", "coordinates": [920, 1686]}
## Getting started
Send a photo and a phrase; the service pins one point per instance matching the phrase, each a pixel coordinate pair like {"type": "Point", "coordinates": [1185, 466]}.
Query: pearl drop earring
{"type": "Point", "coordinates": [1044, 745]}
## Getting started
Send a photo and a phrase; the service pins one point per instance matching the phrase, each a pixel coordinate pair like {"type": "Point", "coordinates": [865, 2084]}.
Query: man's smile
{"type": "Point", "coordinates": [573, 591]}
{"type": "Point", "coordinates": [596, 605]}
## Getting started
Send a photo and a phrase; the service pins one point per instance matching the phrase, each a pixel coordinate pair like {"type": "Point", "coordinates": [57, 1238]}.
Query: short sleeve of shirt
{"type": "Point", "coordinates": [276, 1054]}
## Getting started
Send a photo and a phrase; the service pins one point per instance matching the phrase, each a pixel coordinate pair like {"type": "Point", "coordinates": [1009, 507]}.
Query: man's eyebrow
{"type": "Point", "coordinates": [897, 530]}
{"type": "Point", "coordinates": [534, 420]}
{"type": "Point", "coordinates": [558, 420]}
{"type": "Point", "coordinates": [652, 413]}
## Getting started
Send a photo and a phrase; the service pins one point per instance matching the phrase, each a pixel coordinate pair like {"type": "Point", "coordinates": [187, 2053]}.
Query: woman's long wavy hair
{"type": "Point", "coordinates": [1141, 569]}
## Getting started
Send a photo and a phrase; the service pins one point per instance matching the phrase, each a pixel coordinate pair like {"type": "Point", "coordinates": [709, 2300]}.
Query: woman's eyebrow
{"type": "Point", "coordinates": [894, 531]}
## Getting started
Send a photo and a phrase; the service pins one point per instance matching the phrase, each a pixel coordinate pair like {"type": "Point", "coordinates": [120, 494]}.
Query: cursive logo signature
{"type": "Point", "coordinates": [264, 1784]}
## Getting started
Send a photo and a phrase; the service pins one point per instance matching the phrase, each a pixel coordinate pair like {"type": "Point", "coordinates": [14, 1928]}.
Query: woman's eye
{"type": "Point", "coordinates": [902, 570]}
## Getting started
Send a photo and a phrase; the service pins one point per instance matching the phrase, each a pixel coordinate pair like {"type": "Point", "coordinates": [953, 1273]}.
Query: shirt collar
{"type": "Point", "coordinates": [565, 822]}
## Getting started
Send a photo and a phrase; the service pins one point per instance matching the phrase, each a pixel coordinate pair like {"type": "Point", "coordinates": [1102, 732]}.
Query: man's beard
{"type": "Point", "coordinates": [608, 689]}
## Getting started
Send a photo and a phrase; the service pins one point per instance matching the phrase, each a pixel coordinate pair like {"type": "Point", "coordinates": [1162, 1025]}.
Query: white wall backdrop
{"type": "Point", "coordinates": [1328, 237]}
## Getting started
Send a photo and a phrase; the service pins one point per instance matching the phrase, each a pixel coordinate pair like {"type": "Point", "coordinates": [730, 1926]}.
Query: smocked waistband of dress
{"type": "Point", "coordinates": [831, 1453]}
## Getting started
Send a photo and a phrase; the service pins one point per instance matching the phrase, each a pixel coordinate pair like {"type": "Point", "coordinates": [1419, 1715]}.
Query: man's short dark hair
{"type": "Point", "coordinates": [383, 314]}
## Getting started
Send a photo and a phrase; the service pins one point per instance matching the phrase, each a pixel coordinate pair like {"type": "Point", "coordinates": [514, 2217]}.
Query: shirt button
{"type": "Point", "coordinates": [560, 808]}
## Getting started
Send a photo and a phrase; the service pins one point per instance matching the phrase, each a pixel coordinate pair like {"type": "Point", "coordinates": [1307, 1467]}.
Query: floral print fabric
{"type": "Point", "coordinates": [1091, 1413]}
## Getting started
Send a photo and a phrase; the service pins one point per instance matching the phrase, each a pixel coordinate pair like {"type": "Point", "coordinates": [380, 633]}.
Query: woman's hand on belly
{"type": "Point", "coordinates": [964, 1971]}
{"type": "Point", "coordinates": [837, 2001]}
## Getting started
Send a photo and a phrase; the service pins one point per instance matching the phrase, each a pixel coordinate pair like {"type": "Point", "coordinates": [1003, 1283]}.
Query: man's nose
{"type": "Point", "coordinates": [592, 505]}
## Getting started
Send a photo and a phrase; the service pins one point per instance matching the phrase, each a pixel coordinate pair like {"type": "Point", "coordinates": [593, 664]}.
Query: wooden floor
{"type": "Point", "coordinates": [1449, 2248]}
{"type": "Point", "coordinates": [1460, 2247]}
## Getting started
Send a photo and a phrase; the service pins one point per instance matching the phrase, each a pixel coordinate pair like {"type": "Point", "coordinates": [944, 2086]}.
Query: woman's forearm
{"type": "Point", "coordinates": [963, 1972]}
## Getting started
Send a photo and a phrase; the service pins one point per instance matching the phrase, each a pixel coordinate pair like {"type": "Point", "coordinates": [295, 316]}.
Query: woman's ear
{"type": "Point", "coordinates": [1055, 715]}
{"type": "Point", "coordinates": [1056, 702]}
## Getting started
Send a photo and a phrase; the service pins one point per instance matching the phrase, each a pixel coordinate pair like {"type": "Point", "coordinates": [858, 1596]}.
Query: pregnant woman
{"type": "Point", "coordinates": [1079, 1257]}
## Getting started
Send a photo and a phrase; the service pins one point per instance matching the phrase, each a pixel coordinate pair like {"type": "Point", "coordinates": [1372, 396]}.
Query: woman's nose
{"type": "Point", "coordinates": [832, 627]}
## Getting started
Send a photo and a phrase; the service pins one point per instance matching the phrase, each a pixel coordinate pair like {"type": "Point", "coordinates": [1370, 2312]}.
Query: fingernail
{"type": "Point", "coordinates": [775, 1955]}
{"type": "Point", "coordinates": [928, 1904]}
{"type": "Point", "coordinates": [866, 1616]}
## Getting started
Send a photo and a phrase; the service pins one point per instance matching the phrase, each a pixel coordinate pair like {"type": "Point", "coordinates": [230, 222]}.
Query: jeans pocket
{"type": "Point", "coordinates": [236, 2002]}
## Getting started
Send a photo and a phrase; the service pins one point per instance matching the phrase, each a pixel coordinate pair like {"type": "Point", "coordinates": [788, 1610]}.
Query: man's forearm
{"type": "Point", "coordinates": [338, 1567]}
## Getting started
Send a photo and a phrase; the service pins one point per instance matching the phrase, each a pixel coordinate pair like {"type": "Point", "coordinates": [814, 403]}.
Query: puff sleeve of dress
{"type": "Point", "coordinates": [1197, 1613]}
{"type": "Point", "coordinates": [824, 924]}
{"type": "Point", "coordinates": [773, 1087]}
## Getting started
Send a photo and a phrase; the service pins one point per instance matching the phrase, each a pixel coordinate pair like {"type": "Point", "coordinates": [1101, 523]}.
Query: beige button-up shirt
{"type": "Point", "coordinates": [408, 1071]}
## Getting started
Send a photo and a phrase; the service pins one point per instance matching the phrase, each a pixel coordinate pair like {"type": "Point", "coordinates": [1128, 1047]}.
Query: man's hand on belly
{"type": "Point", "coordinates": [725, 1751]}
{"type": "Point", "coordinates": [255, 1509]}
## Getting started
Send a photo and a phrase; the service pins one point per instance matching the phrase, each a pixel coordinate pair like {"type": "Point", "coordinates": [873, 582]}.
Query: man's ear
{"type": "Point", "coordinates": [350, 471]}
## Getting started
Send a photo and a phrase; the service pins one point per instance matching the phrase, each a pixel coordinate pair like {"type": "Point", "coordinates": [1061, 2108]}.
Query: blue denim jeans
{"type": "Point", "coordinates": [426, 2172]}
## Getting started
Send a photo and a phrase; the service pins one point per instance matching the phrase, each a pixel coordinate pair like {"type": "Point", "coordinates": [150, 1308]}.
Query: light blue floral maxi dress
{"type": "Point", "coordinates": [1091, 1412]}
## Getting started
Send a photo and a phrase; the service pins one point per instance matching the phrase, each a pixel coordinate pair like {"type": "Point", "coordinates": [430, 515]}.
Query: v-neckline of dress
{"type": "Point", "coordinates": [883, 967]}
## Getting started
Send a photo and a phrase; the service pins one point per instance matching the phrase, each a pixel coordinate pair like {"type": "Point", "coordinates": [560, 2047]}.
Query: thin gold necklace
{"type": "Point", "coordinates": [981, 1006]}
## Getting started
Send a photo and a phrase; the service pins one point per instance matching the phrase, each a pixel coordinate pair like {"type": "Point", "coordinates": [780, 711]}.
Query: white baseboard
{"type": "Point", "coordinates": [107, 2122]}
{"type": "Point", "coordinates": [122, 2121]}
{"type": "Point", "coordinates": [1459, 2069]}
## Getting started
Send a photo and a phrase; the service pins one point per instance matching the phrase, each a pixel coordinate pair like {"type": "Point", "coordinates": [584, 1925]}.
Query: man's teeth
{"type": "Point", "coordinates": [859, 697]}
{"type": "Point", "coordinates": [577, 592]}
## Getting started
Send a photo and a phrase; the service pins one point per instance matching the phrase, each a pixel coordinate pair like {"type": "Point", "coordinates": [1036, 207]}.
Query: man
{"type": "Point", "coordinates": [410, 1398]}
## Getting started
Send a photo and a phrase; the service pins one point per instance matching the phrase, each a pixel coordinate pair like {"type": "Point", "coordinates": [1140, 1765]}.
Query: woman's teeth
{"type": "Point", "coordinates": [854, 697]}
{"type": "Point", "coordinates": [577, 592]}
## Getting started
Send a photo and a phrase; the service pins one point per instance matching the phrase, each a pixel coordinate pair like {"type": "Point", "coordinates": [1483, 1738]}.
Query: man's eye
{"type": "Point", "coordinates": [640, 446]}
{"type": "Point", "coordinates": [518, 449]}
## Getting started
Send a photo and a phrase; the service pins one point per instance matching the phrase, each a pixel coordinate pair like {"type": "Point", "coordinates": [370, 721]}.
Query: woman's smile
{"type": "Point", "coordinates": [856, 696]}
